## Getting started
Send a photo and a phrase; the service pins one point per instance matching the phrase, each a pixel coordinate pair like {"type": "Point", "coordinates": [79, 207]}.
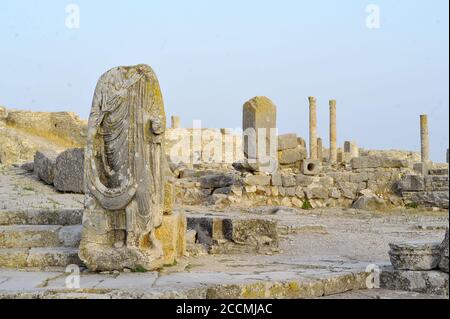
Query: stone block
{"type": "Point", "coordinates": [288, 180]}
{"type": "Point", "coordinates": [359, 177]}
{"type": "Point", "coordinates": [311, 167]}
{"type": "Point", "coordinates": [276, 179]}
{"type": "Point", "coordinates": [438, 171]}
{"type": "Point", "coordinates": [291, 156]}
{"type": "Point", "coordinates": [415, 256]}
{"type": "Point", "coordinates": [316, 192]}
{"type": "Point", "coordinates": [245, 232]}
{"type": "Point", "coordinates": [427, 282]}
{"type": "Point", "coordinates": [365, 162]}
{"type": "Point", "coordinates": [427, 199]}
{"type": "Point", "coordinates": [343, 157]}
{"type": "Point", "coordinates": [69, 171]}
{"type": "Point", "coordinates": [287, 141]}
{"type": "Point", "coordinates": [421, 168]}
{"type": "Point", "coordinates": [436, 183]}
{"type": "Point", "coordinates": [44, 166]}
{"type": "Point", "coordinates": [169, 197]}
{"type": "Point", "coordinates": [290, 191]}
{"type": "Point", "coordinates": [257, 180]}
{"type": "Point", "coordinates": [217, 180]}
{"type": "Point", "coordinates": [301, 142]}
{"type": "Point", "coordinates": [412, 183]}
{"type": "Point", "coordinates": [172, 235]}
{"type": "Point", "coordinates": [305, 180]}
{"type": "Point", "coordinates": [370, 201]}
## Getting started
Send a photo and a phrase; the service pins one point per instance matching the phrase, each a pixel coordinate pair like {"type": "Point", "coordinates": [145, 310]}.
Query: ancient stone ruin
{"type": "Point", "coordinates": [137, 209]}
{"type": "Point", "coordinates": [124, 174]}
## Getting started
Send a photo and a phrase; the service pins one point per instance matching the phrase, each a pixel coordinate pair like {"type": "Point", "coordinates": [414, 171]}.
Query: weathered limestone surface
{"type": "Point", "coordinates": [44, 166]}
{"type": "Point", "coordinates": [172, 235]}
{"type": "Point", "coordinates": [3, 113]}
{"type": "Point", "coordinates": [223, 234]}
{"type": "Point", "coordinates": [257, 180]}
{"type": "Point", "coordinates": [125, 173]}
{"type": "Point", "coordinates": [443, 264]}
{"type": "Point", "coordinates": [319, 149]}
{"type": "Point", "coordinates": [426, 190]}
{"type": "Point", "coordinates": [364, 162]}
{"type": "Point", "coordinates": [311, 167]}
{"type": "Point", "coordinates": [64, 128]}
{"type": "Point", "coordinates": [415, 256]}
{"type": "Point", "coordinates": [351, 148]}
{"type": "Point", "coordinates": [369, 201]}
{"type": "Point", "coordinates": [69, 171]}
{"type": "Point", "coordinates": [287, 141]}
{"type": "Point", "coordinates": [259, 126]}
{"type": "Point", "coordinates": [428, 282]}
{"type": "Point", "coordinates": [217, 180]}
{"type": "Point", "coordinates": [292, 155]}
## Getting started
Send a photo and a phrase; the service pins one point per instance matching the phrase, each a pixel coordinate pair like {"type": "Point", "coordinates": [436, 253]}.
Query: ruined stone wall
{"type": "Point", "coordinates": [334, 187]}
{"type": "Point", "coordinates": [22, 133]}
{"type": "Point", "coordinates": [430, 190]}
{"type": "Point", "coordinates": [64, 128]}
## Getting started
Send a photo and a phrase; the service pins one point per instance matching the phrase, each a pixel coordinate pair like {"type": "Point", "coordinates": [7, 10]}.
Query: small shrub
{"type": "Point", "coordinates": [139, 269]}
{"type": "Point", "coordinates": [307, 205]}
{"type": "Point", "coordinates": [412, 205]}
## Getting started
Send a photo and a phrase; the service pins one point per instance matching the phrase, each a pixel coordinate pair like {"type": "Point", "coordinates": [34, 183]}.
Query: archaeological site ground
{"type": "Point", "coordinates": [134, 202]}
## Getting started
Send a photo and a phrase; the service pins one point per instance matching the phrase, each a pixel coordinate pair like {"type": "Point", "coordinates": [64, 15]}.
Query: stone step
{"type": "Point", "coordinates": [42, 217]}
{"type": "Point", "coordinates": [34, 236]}
{"type": "Point", "coordinates": [38, 257]}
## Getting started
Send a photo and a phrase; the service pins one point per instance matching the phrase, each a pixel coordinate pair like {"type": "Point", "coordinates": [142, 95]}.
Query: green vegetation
{"type": "Point", "coordinates": [307, 205]}
{"type": "Point", "coordinates": [139, 269]}
{"type": "Point", "coordinates": [412, 205]}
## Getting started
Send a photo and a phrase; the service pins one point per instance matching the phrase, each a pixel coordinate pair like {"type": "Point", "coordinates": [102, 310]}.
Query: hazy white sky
{"type": "Point", "coordinates": [212, 56]}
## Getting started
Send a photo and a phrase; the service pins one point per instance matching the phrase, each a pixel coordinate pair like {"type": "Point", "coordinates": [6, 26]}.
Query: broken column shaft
{"type": "Point", "coordinates": [333, 138]}
{"type": "Point", "coordinates": [424, 138]}
{"type": "Point", "coordinates": [312, 128]}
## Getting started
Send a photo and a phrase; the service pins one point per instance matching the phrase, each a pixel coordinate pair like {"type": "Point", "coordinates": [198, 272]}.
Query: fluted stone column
{"type": "Point", "coordinates": [176, 122]}
{"type": "Point", "coordinates": [312, 128]}
{"type": "Point", "coordinates": [319, 149]}
{"type": "Point", "coordinates": [333, 134]}
{"type": "Point", "coordinates": [424, 138]}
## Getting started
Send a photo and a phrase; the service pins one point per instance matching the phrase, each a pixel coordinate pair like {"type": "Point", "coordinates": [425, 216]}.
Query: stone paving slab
{"type": "Point", "coordinates": [20, 284]}
{"type": "Point", "coordinates": [382, 294]}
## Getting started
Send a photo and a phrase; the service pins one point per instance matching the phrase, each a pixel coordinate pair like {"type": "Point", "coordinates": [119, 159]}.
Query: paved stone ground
{"type": "Point", "coordinates": [382, 294]}
{"type": "Point", "coordinates": [322, 252]}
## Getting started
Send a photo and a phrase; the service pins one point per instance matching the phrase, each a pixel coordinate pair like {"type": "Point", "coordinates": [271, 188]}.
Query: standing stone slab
{"type": "Point", "coordinates": [44, 166]}
{"type": "Point", "coordinates": [69, 171]}
{"type": "Point", "coordinates": [125, 174]}
{"type": "Point", "coordinates": [260, 133]}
